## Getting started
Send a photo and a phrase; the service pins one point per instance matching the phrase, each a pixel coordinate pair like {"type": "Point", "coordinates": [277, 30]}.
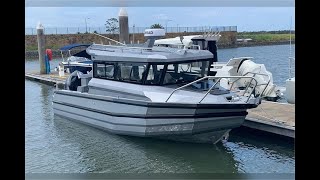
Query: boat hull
{"type": "Point", "coordinates": [181, 122]}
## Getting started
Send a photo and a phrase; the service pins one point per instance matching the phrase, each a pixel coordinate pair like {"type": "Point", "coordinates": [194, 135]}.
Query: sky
{"type": "Point", "coordinates": [245, 18]}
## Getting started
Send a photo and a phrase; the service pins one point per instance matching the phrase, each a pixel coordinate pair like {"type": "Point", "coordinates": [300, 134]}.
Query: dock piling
{"type": "Point", "coordinates": [41, 48]}
{"type": "Point", "coordinates": [123, 26]}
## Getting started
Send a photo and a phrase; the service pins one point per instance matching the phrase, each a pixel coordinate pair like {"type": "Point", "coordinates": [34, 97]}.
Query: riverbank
{"type": "Point", "coordinates": [55, 41]}
{"type": "Point", "coordinates": [266, 43]}
{"type": "Point", "coordinates": [229, 39]}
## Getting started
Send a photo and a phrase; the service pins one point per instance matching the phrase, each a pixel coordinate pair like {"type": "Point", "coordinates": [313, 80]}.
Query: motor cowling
{"type": "Point", "coordinates": [249, 66]}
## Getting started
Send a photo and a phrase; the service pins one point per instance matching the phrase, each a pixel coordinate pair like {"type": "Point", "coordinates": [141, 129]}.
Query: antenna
{"type": "Point", "coordinates": [290, 50]}
{"type": "Point", "coordinates": [109, 39]}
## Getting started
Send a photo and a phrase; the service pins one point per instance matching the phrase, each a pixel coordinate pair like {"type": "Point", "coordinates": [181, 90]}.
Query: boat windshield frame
{"type": "Point", "coordinates": [142, 78]}
{"type": "Point", "coordinates": [79, 48]}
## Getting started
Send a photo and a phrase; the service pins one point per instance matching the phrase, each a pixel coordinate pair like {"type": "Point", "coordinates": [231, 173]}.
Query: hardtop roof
{"type": "Point", "coordinates": [71, 46]}
{"type": "Point", "coordinates": [100, 52]}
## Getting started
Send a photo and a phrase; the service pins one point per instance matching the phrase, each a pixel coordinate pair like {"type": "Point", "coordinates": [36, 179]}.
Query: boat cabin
{"type": "Point", "coordinates": [149, 66]}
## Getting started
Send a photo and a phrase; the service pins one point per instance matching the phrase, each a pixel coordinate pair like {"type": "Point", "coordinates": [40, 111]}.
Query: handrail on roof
{"type": "Point", "coordinates": [171, 50]}
{"type": "Point", "coordinates": [109, 39]}
{"type": "Point", "coordinates": [124, 47]}
{"type": "Point", "coordinates": [129, 47]}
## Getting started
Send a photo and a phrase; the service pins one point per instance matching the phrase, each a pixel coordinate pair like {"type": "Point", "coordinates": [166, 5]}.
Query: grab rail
{"type": "Point", "coordinates": [103, 47]}
{"type": "Point", "coordinates": [109, 39]}
{"type": "Point", "coordinates": [215, 77]}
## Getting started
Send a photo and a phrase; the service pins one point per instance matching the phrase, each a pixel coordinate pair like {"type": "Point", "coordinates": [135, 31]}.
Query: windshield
{"type": "Point", "coordinates": [152, 74]}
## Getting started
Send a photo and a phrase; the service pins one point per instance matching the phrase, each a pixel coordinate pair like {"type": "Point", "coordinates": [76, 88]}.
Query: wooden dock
{"type": "Point", "coordinates": [50, 79]}
{"type": "Point", "coordinates": [272, 117]}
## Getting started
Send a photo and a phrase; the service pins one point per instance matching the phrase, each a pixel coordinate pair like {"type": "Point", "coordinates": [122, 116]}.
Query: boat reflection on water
{"type": "Point", "coordinates": [97, 151]}
{"type": "Point", "coordinates": [105, 152]}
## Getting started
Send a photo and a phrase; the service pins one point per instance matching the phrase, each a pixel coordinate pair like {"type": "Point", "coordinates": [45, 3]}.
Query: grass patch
{"type": "Point", "coordinates": [266, 37]}
{"type": "Point", "coordinates": [35, 47]}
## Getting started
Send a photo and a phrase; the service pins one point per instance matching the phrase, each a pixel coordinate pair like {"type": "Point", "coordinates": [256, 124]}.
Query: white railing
{"type": "Point", "coordinates": [254, 74]}
{"type": "Point", "coordinates": [221, 77]}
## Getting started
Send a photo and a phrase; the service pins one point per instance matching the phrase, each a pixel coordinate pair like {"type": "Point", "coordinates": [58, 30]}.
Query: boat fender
{"type": "Point", "coordinates": [49, 53]}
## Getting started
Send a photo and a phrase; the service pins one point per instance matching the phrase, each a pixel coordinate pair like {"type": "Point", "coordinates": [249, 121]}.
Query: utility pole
{"type": "Point", "coordinates": [85, 20]}
{"type": "Point", "coordinates": [133, 33]}
{"type": "Point", "coordinates": [167, 20]}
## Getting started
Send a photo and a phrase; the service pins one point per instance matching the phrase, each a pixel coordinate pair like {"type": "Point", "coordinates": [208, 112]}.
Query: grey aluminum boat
{"type": "Point", "coordinates": [154, 92]}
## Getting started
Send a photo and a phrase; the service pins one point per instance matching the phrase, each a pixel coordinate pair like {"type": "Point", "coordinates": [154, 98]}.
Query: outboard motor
{"type": "Point", "coordinates": [244, 66]}
{"type": "Point", "coordinates": [73, 81]}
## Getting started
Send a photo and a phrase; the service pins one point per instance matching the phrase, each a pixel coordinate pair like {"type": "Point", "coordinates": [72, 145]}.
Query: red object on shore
{"type": "Point", "coordinates": [49, 53]}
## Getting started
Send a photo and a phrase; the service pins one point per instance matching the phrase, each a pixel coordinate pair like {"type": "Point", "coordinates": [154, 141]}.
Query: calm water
{"type": "Point", "coordinates": [54, 144]}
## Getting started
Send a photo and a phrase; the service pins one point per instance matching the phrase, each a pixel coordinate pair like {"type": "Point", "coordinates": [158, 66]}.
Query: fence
{"type": "Point", "coordinates": [102, 30]}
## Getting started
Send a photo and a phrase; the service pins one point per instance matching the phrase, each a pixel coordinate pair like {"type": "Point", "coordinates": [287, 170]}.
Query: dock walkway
{"type": "Point", "coordinates": [273, 117]}
{"type": "Point", "coordinates": [50, 79]}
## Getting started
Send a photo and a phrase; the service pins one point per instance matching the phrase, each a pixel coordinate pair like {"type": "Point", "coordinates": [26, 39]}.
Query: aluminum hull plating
{"type": "Point", "coordinates": [176, 121]}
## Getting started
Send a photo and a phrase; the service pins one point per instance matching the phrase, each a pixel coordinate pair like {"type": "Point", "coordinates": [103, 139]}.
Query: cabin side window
{"type": "Point", "coordinates": [131, 72]}
{"type": "Point", "coordinates": [103, 70]}
{"type": "Point", "coordinates": [154, 74]}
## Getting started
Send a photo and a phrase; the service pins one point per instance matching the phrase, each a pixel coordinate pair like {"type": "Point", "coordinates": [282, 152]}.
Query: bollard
{"type": "Point", "coordinates": [61, 70]}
